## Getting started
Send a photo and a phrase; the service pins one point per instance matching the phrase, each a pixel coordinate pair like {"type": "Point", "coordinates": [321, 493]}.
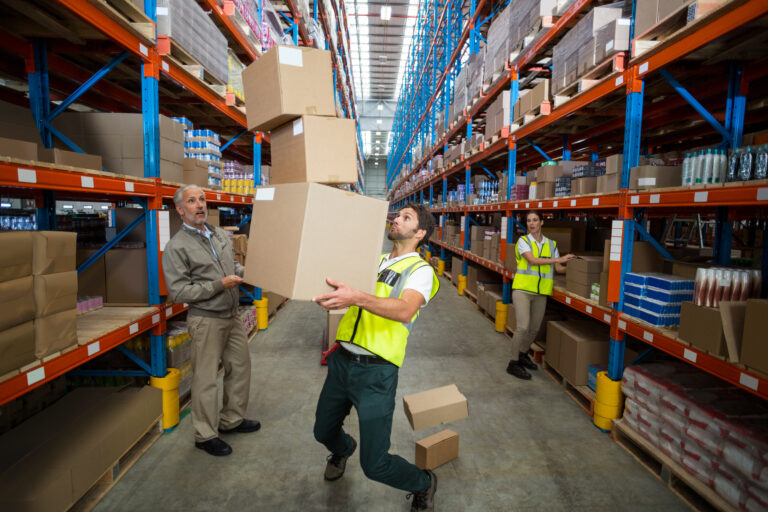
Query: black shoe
{"type": "Point", "coordinates": [516, 369]}
{"type": "Point", "coordinates": [338, 463]}
{"type": "Point", "coordinates": [425, 500]}
{"type": "Point", "coordinates": [244, 427]}
{"type": "Point", "coordinates": [525, 360]}
{"type": "Point", "coordinates": [215, 447]}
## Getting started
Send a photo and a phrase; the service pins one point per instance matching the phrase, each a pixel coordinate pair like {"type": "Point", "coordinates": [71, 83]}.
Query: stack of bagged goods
{"type": "Point", "coordinates": [581, 272]}
{"type": "Point", "coordinates": [311, 149]}
{"type": "Point", "coordinates": [202, 158]}
{"type": "Point", "coordinates": [707, 427]}
{"type": "Point", "coordinates": [656, 298]}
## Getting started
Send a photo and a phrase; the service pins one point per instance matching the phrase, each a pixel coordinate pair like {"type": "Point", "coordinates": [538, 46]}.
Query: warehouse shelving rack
{"type": "Point", "coordinates": [628, 85]}
{"type": "Point", "coordinates": [44, 182]}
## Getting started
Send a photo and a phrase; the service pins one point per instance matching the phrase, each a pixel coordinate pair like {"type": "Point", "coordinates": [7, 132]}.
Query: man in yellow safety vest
{"type": "Point", "coordinates": [363, 370]}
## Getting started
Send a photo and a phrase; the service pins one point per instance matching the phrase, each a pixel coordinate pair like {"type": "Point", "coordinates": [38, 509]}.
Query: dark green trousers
{"type": "Point", "coordinates": [371, 389]}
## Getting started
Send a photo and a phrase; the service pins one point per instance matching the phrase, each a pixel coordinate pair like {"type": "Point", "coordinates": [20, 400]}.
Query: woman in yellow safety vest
{"type": "Point", "coordinates": [537, 259]}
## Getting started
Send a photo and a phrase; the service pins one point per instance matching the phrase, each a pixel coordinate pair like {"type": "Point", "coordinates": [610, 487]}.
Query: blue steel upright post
{"type": "Point", "coordinates": [257, 138]}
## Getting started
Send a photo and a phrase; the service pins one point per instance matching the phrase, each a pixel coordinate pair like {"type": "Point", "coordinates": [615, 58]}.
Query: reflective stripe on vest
{"type": "Point", "coordinates": [540, 280]}
{"type": "Point", "coordinates": [381, 336]}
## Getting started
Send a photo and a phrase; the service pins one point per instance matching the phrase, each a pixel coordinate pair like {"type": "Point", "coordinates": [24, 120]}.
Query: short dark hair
{"type": "Point", "coordinates": [426, 220]}
{"type": "Point", "coordinates": [534, 212]}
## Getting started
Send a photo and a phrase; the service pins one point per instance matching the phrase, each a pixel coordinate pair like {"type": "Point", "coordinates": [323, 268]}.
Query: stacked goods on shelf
{"type": "Point", "coordinates": [650, 12]}
{"type": "Point", "coordinates": [189, 27]}
{"type": "Point", "coordinates": [611, 39]}
{"type": "Point", "coordinates": [178, 345]}
{"type": "Point", "coordinates": [86, 304]}
{"type": "Point", "coordinates": [488, 294]}
{"type": "Point", "coordinates": [249, 317]}
{"type": "Point", "coordinates": [609, 182]}
{"type": "Point", "coordinates": [477, 274]}
{"type": "Point", "coordinates": [584, 179]}
{"type": "Point", "coordinates": [17, 331]}
{"type": "Point", "coordinates": [119, 140]}
{"type": "Point", "coordinates": [532, 102]}
{"type": "Point", "coordinates": [546, 177]}
{"type": "Point", "coordinates": [712, 165]}
{"type": "Point", "coordinates": [581, 272]}
{"type": "Point", "coordinates": [573, 345]}
{"type": "Point", "coordinates": [655, 176]}
{"type": "Point", "coordinates": [497, 49]}
{"type": "Point", "coordinates": [249, 11]}
{"type": "Point", "coordinates": [459, 95]}
{"type": "Point", "coordinates": [576, 50]}
{"type": "Point", "coordinates": [475, 78]}
{"type": "Point", "coordinates": [656, 298]}
{"type": "Point", "coordinates": [497, 116]}
{"type": "Point", "coordinates": [236, 179]}
{"type": "Point", "coordinates": [240, 246]}
{"type": "Point", "coordinates": [235, 81]}
{"type": "Point", "coordinates": [203, 146]}
{"type": "Point", "coordinates": [69, 158]}
{"type": "Point", "coordinates": [710, 429]}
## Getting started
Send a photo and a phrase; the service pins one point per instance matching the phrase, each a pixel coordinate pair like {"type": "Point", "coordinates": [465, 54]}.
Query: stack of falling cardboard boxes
{"type": "Point", "coordinates": [303, 231]}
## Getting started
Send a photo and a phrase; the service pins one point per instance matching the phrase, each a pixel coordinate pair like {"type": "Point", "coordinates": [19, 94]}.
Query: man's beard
{"type": "Point", "coordinates": [398, 236]}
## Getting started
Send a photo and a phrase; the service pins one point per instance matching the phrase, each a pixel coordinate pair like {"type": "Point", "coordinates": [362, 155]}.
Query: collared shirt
{"type": "Point", "coordinates": [523, 247]}
{"type": "Point", "coordinates": [206, 234]}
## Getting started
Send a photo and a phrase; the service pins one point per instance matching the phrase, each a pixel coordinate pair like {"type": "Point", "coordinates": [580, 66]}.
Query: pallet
{"type": "Point", "coordinates": [233, 100]}
{"type": "Point", "coordinates": [695, 493]}
{"type": "Point", "coordinates": [471, 296]}
{"type": "Point", "coordinates": [113, 475]}
{"type": "Point", "coordinates": [542, 109]}
{"type": "Point", "coordinates": [534, 36]}
{"type": "Point", "coordinates": [128, 15]}
{"type": "Point", "coordinates": [582, 395]}
{"type": "Point", "coordinates": [172, 51]}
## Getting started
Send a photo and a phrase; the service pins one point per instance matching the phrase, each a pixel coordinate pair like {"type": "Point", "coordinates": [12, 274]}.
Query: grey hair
{"type": "Point", "coordinates": [178, 197]}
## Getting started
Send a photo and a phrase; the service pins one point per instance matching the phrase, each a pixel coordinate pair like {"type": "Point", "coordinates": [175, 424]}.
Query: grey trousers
{"type": "Point", "coordinates": [214, 340]}
{"type": "Point", "coordinates": [529, 312]}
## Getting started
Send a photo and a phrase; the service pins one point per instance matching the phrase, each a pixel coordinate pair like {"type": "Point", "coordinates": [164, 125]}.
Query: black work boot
{"type": "Point", "coordinates": [516, 369]}
{"type": "Point", "coordinates": [338, 463]}
{"type": "Point", "coordinates": [525, 360]}
{"type": "Point", "coordinates": [425, 500]}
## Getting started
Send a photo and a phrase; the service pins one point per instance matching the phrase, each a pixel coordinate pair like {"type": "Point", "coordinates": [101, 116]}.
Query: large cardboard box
{"type": "Point", "coordinates": [195, 172]}
{"type": "Point", "coordinates": [581, 345]}
{"type": "Point", "coordinates": [437, 449]}
{"type": "Point", "coordinates": [545, 190]}
{"type": "Point", "coordinates": [91, 282]}
{"type": "Point", "coordinates": [477, 274]}
{"type": "Point", "coordinates": [17, 303]}
{"type": "Point", "coordinates": [703, 328]}
{"type": "Point", "coordinates": [285, 83]}
{"type": "Point", "coordinates": [332, 325]}
{"type": "Point", "coordinates": [456, 269]}
{"type": "Point", "coordinates": [55, 293]}
{"type": "Point", "coordinates": [554, 343]}
{"type": "Point", "coordinates": [315, 149]}
{"type": "Point", "coordinates": [55, 332]}
{"type": "Point", "coordinates": [584, 265]}
{"type": "Point", "coordinates": [581, 287]}
{"type": "Point", "coordinates": [581, 186]}
{"type": "Point", "coordinates": [607, 183]}
{"type": "Point", "coordinates": [754, 350]}
{"type": "Point", "coordinates": [435, 406]}
{"type": "Point", "coordinates": [16, 256]}
{"type": "Point", "coordinates": [17, 347]}
{"type": "Point", "coordinates": [561, 236]}
{"type": "Point", "coordinates": [303, 233]}
{"type": "Point", "coordinates": [53, 252]}
{"type": "Point", "coordinates": [18, 149]}
{"type": "Point", "coordinates": [126, 272]}
{"type": "Point", "coordinates": [613, 164]}
{"type": "Point", "coordinates": [69, 158]}
{"type": "Point", "coordinates": [604, 290]}
{"type": "Point", "coordinates": [510, 261]}
{"type": "Point", "coordinates": [213, 218]}
{"type": "Point", "coordinates": [655, 176]}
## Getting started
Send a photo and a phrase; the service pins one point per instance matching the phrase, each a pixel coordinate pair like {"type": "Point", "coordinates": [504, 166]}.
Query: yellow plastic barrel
{"type": "Point", "coordinates": [462, 284]}
{"type": "Point", "coordinates": [603, 423]}
{"type": "Point", "coordinates": [501, 316]}
{"type": "Point", "coordinates": [170, 387]}
{"type": "Point", "coordinates": [609, 401]}
{"type": "Point", "coordinates": [440, 267]}
{"type": "Point", "coordinates": [427, 255]}
{"type": "Point", "coordinates": [262, 313]}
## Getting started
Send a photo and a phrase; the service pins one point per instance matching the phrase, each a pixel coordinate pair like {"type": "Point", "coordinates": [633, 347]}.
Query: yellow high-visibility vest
{"type": "Point", "coordinates": [535, 278]}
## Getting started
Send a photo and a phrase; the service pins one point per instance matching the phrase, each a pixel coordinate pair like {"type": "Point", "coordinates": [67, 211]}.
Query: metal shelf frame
{"type": "Point", "coordinates": [625, 207]}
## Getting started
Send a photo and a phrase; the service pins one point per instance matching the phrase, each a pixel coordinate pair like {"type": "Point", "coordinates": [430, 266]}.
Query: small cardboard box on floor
{"type": "Point", "coordinates": [303, 233]}
{"type": "Point", "coordinates": [435, 406]}
{"type": "Point", "coordinates": [437, 449]}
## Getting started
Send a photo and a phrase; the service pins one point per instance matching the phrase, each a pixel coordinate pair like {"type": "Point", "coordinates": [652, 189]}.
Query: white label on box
{"type": "Point", "coordinates": [503, 227]}
{"type": "Point", "coordinates": [762, 194]}
{"type": "Point", "coordinates": [298, 127]}
{"type": "Point", "coordinates": [623, 21]}
{"type": "Point", "coordinates": [700, 197]}
{"type": "Point", "coordinates": [35, 375]}
{"type": "Point", "coordinates": [595, 201]}
{"type": "Point", "coordinates": [27, 176]}
{"type": "Point", "coordinates": [748, 381]}
{"type": "Point", "coordinates": [689, 355]}
{"type": "Point", "coordinates": [573, 202]}
{"type": "Point", "coordinates": [609, 45]}
{"type": "Point", "coordinates": [143, 50]}
{"type": "Point", "coordinates": [567, 300]}
{"type": "Point", "coordinates": [643, 67]}
{"type": "Point", "coordinates": [86, 182]}
{"type": "Point", "coordinates": [554, 204]}
{"type": "Point", "coordinates": [290, 56]}
{"type": "Point", "coordinates": [162, 11]}
{"type": "Point", "coordinates": [156, 318]}
{"type": "Point", "coordinates": [648, 336]}
{"type": "Point", "coordinates": [646, 182]}
{"type": "Point", "coordinates": [655, 198]}
{"type": "Point", "coordinates": [634, 200]}
{"type": "Point", "coordinates": [93, 348]}
{"type": "Point", "coordinates": [589, 309]}
{"type": "Point", "coordinates": [619, 80]}
{"type": "Point", "coordinates": [133, 328]}
{"type": "Point", "coordinates": [606, 318]}
{"type": "Point", "coordinates": [265, 194]}
{"type": "Point", "coordinates": [622, 325]}
{"type": "Point", "coordinates": [163, 228]}
{"type": "Point", "coordinates": [165, 66]}
{"type": "Point", "coordinates": [129, 186]}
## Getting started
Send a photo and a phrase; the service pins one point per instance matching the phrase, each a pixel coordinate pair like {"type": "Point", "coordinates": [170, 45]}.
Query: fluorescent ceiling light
{"type": "Point", "coordinates": [380, 106]}
{"type": "Point", "coordinates": [378, 121]}
{"type": "Point", "coordinates": [87, 207]}
{"type": "Point", "coordinates": [68, 206]}
{"type": "Point", "coordinates": [105, 207]}
{"type": "Point", "coordinates": [386, 13]}
{"type": "Point", "coordinates": [5, 205]}
{"type": "Point", "coordinates": [378, 133]}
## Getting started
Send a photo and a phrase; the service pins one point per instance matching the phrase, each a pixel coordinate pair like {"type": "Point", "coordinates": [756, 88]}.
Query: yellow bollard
{"type": "Point", "coordinates": [170, 386]}
{"type": "Point", "coordinates": [427, 255]}
{"type": "Point", "coordinates": [603, 423]}
{"type": "Point", "coordinates": [609, 401]}
{"type": "Point", "coordinates": [462, 284]}
{"type": "Point", "coordinates": [440, 267]}
{"type": "Point", "coordinates": [262, 313]}
{"type": "Point", "coordinates": [501, 316]}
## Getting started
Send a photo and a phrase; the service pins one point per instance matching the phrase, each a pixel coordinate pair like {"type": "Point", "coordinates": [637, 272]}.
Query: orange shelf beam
{"type": "Point", "coordinates": [742, 193]}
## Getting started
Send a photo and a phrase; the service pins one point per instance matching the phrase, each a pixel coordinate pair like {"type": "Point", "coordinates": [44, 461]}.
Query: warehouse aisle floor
{"type": "Point", "coordinates": [526, 445]}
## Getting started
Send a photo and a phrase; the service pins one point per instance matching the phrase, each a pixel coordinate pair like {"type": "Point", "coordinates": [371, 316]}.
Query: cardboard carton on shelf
{"type": "Point", "coordinates": [54, 293]}
{"type": "Point", "coordinates": [288, 234]}
{"type": "Point", "coordinates": [16, 256]}
{"type": "Point", "coordinates": [582, 186]}
{"type": "Point", "coordinates": [575, 345]}
{"type": "Point", "coordinates": [437, 449]}
{"type": "Point", "coordinates": [607, 183]}
{"type": "Point", "coordinates": [702, 327]}
{"type": "Point", "coordinates": [754, 352]}
{"type": "Point", "coordinates": [17, 347]}
{"type": "Point", "coordinates": [545, 190]}
{"type": "Point", "coordinates": [126, 277]}
{"type": "Point", "coordinates": [435, 406]}
{"type": "Point", "coordinates": [213, 218]}
{"type": "Point", "coordinates": [55, 332]}
{"type": "Point", "coordinates": [19, 149]}
{"type": "Point", "coordinates": [17, 303]}
{"type": "Point", "coordinates": [53, 251]}
{"type": "Point", "coordinates": [195, 172]}
{"type": "Point", "coordinates": [655, 176]}
{"type": "Point", "coordinates": [69, 158]}
{"type": "Point", "coordinates": [285, 83]}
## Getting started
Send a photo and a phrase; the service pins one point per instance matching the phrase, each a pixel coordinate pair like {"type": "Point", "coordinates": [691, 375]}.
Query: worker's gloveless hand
{"type": "Point", "coordinates": [343, 297]}
{"type": "Point", "coordinates": [232, 281]}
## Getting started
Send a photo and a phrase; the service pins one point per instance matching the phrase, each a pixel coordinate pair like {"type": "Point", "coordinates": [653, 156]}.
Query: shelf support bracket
{"type": "Point", "coordinates": [136, 359]}
{"type": "Point", "coordinates": [103, 250]}
{"type": "Point", "coordinates": [537, 148]}
{"type": "Point", "coordinates": [233, 139]}
{"type": "Point", "coordinates": [645, 236]}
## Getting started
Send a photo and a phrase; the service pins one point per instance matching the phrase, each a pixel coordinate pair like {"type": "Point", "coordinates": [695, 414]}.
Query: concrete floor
{"type": "Point", "coordinates": [526, 445]}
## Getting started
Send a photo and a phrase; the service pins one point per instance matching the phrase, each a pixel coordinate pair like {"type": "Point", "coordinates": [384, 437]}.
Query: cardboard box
{"type": "Point", "coordinates": [314, 149]}
{"type": "Point", "coordinates": [302, 247]}
{"type": "Point", "coordinates": [285, 83]}
{"type": "Point", "coordinates": [584, 265]}
{"type": "Point", "coordinates": [18, 149]}
{"type": "Point", "coordinates": [435, 406]}
{"type": "Point", "coordinates": [754, 351]}
{"type": "Point", "coordinates": [614, 163]}
{"type": "Point", "coordinates": [53, 252]}
{"type": "Point", "coordinates": [17, 303]}
{"type": "Point", "coordinates": [607, 183]}
{"type": "Point", "coordinates": [437, 449]}
{"type": "Point", "coordinates": [581, 186]}
{"type": "Point", "coordinates": [477, 274]}
{"type": "Point", "coordinates": [195, 172]}
{"type": "Point", "coordinates": [54, 293]}
{"type": "Point", "coordinates": [604, 290]}
{"type": "Point", "coordinates": [213, 218]}
{"type": "Point", "coordinates": [554, 343]}
{"type": "Point", "coordinates": [17, 347]}
{"type": "Point", "coordinates": [55, 332]}
{"type": "Point", "coordinates": [92, 282]}
{"type": "Point", "coordinates": [703, 328]}
{"type": "Point", "coordinates": [545, 190]}
{"type": "Point", "coordinates": [549, 173]}
{"type": "Point", "coordinates": [655, 176]}
{"type": "Point", "coordinates": [580, 287]}
{"type": "Point", "coordinates": [69, 158]}
{"type": "Point", "coordinates": [16, 256]}
{"type": "Point", "coordinates": [332, 325]}
{"type": "Point", "coordinates": [511, 318]}
{"type": "Point", "coordinates": [456, 269]}
{"type": "Point", "coordinates": [582, 343]}
{"type": "Point", "coordinates": [126, 276]}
